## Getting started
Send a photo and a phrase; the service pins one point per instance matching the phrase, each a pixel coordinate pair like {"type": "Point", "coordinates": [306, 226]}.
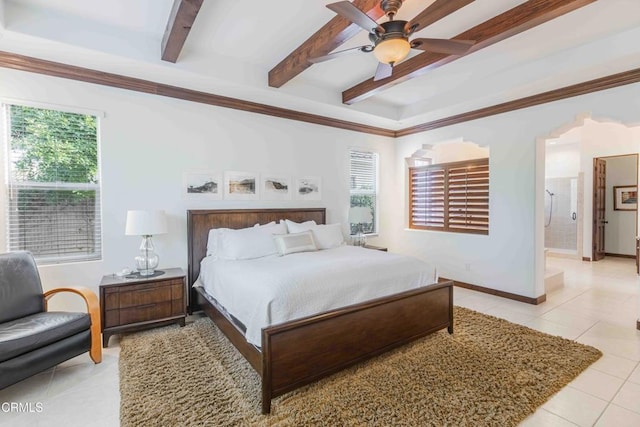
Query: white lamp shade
{"type": "Point", "coordinates": [146, 223]}
{"type": "Point", "coordinates": [360, 215]}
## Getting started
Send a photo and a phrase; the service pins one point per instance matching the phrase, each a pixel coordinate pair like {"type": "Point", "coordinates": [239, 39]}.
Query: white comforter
{"type": "Point", "coordinates": [271, 290]}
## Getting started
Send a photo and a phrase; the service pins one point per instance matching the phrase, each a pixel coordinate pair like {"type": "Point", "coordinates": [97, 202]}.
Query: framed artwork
{"type": "Point", "coordinates": [240, 185]}
{"type": "Point", "coordinates": [275, 187]}
{"type": "Point", "coordinates": [308, 188]}
{"type": "Point", "coordinates": [625, 198]}
{"type": "Point", "coordinates": [202, 185]}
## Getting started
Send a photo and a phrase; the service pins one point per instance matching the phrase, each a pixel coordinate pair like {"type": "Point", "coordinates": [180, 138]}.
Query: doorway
{"type": "Point", "coordinates": [615, 206]}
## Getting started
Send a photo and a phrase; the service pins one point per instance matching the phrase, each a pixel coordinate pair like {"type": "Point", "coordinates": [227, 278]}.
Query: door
{"type": "Point", "coordinates": [599, 222]}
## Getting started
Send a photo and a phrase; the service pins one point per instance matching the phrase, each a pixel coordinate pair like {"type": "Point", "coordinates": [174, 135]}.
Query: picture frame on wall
{"type": "Point", "coordinates": [625, 198]}
{"type": "Point", "coordinates": [308, 188]}
{"type": "Point", "coordinates": [275, 187]}
{"type": "Point", "coordinates": [241, 185]}
{"type": "Point", "coordinates": [202, 185]}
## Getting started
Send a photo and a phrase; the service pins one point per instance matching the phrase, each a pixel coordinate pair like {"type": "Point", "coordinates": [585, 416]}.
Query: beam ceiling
{"type": "Point", "coordinates": [181, 19]}
{"type": "Point", "coordinates": [514, 21]}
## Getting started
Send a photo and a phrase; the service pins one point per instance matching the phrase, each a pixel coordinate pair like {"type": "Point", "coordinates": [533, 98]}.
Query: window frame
{"type": "Point", "coordinates": [375, 192]}
{"type": "Point", "coordinates": [476, 203]}
{"type": "Point", "coordinates": [9, 185]}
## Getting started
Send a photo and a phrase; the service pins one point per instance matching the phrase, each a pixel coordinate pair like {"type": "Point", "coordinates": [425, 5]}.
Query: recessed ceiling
{"type": "Point", "coordinates": [233, 45]}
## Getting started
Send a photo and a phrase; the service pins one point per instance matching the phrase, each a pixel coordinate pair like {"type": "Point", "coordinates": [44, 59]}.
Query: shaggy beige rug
{"type": "Point", "coordinates": [489, 373]}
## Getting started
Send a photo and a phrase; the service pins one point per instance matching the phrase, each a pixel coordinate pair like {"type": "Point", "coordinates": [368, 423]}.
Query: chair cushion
{"type": "Point", "coordinates": [38, 330]}
{"type": "Point", "coordinates": [20, 288]}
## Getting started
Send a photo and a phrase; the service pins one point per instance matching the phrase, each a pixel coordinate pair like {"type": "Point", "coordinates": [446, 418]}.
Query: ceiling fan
{"type": "Point", "coordinates": [390, 39]}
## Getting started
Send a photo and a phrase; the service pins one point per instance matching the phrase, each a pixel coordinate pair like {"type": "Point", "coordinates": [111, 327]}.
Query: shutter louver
{"type": "Point", "coordinates": [53, 193]}
{"type": "Point", "coordinates": [450, 197]}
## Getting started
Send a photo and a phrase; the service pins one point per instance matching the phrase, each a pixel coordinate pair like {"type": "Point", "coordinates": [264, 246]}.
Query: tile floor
{"type": "Point", "coordinates": [598, 306]}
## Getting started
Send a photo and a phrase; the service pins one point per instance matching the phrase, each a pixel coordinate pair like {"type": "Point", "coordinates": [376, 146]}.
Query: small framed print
{"type": "Point", "coordinates": [240, 185]}
{"type": "Point", "coordinates": [625, 198]}
{"type": "Point", "coordinates": [202, 185]}
{"type": "Point", "coordinates": [275, 187]}
{"type": "Point", "coordinates": [308, 188]}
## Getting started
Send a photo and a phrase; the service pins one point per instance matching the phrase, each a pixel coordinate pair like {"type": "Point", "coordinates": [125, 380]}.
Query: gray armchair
{"type": "Point", "coordinates": [33, 339]}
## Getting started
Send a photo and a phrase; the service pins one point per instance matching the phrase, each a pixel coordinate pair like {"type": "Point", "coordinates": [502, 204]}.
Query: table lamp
{"type": "Point", "coordinates": [146, 224]}
{"type": "Point", "coordinates": [360, 215]}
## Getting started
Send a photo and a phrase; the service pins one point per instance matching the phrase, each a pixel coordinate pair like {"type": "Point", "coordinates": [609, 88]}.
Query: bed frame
{"type": "Point", "coordinates": [302, 351]}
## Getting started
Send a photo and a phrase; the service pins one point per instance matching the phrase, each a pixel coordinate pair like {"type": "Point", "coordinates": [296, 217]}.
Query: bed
{"type": "Point", "coordinates": [298, 352]}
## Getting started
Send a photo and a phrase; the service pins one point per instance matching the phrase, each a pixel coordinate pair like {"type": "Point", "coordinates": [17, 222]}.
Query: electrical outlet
{"type": "Point", "coordinates": [467, 267]}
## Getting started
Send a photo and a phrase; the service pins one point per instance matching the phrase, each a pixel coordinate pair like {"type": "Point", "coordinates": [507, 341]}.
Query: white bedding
{"type": "Point", "coordinates": [271, 290]}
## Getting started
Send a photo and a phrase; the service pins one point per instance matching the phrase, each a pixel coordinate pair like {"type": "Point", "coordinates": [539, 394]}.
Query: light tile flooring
{"type": "Point", "coordinates": [598, 306]}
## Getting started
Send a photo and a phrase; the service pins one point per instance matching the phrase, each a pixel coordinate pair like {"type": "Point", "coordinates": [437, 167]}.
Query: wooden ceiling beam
{"type": "Point", "coordinates": [438, 10]}
{"type": "Point", "coordinates": [183, 14]}
{"type": "Point", "coordinates": [514, 21]}
{"type": "Point", "coordinates": [322, 42]}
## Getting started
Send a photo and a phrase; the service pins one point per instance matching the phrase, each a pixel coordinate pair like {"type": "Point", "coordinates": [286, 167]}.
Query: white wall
{"type": "Point", "coordinates": [620, 232]}
{"type": "Point", "coordinates": [148, 142]}
{"type": "Point", "coordinates": [511, 257]}
{"type": "Point", "coordinates": [562, 160]}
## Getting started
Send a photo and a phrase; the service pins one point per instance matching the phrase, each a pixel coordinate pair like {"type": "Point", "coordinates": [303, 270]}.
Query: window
{"type": "Point", "coordinates": [53, 193]}
{"type": "Point", "coordinates": [450, 197]}
{"type": "Point", "coordinates": [364, 187]}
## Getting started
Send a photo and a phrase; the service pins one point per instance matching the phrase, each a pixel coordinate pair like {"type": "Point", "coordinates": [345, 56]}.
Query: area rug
{"type": "Point", "coordinates": [490, 372]}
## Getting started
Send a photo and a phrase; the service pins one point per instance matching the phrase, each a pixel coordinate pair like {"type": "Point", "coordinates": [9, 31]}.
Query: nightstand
{"type": "Point", "coordinates": [377, 248]}
{"type": "Point", "coordinates": [133, 303]}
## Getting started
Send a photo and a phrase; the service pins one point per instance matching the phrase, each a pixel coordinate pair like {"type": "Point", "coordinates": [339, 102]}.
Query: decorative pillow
{"type": "Point", "coordinates": [249, 243]}
{"type": "Point", "coordinates": [326, 236]}
{"type": "Point", "coordinates": [292, 243]}
{"type": "Point", "coordinates": [296, 225]}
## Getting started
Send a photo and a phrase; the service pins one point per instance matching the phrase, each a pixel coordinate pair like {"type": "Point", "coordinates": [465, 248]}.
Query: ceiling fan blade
{"type": "Point", "coordinates": [452, 47]}
{"type": "Point", "coordinates": [347, 10]}
{"type": "Point", "coordinates": [365, 48]}
{"type": "Point", "coordinates": [436, 11]}
{"type": "Point", "coordinates": [383, 71]}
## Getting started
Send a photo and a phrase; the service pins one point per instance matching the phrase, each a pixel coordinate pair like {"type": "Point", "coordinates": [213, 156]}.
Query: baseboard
{"type": "Point", "coordinates": [620, 255]}
{"type": "Point", "coordinates": [586, 258]}
{"type": "Point", "coordinates": [535, 301]}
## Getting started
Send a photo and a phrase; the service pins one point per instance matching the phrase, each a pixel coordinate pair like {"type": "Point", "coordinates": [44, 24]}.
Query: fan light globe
{"type": "Point", "coordinates": [392, 51]}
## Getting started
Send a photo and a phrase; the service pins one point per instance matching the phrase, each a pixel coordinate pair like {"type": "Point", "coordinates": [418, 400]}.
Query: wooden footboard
{"type": "Point", "coordinates": [299, 352]}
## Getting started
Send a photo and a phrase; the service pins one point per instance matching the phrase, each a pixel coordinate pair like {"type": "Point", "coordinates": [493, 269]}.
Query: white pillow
{"type": "Point", "coordinates": [248, 243]}
{"type": "Point", "coordinates": [214, 233]}
{"type": "Point", "coordinates": [212, 241]}
{"type": "Point", "coordinates": [292, 243]}
{"type": "Point", "coordinates": [326, 236]}
{"type": "Point", "coordinates": [265, 225]}
{"type": "Point", "coordinates": [296, 224]}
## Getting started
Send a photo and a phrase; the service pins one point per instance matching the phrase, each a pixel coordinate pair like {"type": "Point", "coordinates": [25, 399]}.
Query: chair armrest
{"type": "Point", "coordinates": [93, 309]}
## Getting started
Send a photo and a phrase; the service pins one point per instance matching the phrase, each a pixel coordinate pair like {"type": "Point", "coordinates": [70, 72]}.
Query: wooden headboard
{"type": "Point", "coordinates": [199, 222]}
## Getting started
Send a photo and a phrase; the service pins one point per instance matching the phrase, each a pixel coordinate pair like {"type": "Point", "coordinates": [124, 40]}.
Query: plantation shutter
{"type": "Point", "coordinates": [363, 184]}
{"type": "Point", "coordinates": [450, 197]}
{"type": "Point", "coordinates": [53, 190]}
{"type": "Point", "coordinates": [427, 197]}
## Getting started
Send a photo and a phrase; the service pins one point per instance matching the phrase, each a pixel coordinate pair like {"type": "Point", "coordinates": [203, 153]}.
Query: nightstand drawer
{"type": "Point", "coordinates": [129, 304]}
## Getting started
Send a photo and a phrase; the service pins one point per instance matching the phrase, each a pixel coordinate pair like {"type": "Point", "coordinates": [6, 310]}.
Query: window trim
{"type": "Point", "coordinates": [479, 211]}
{"type": "Point", "coordinates": [376, 191]}
{"type": "Point", "coordinates": [5, 171]}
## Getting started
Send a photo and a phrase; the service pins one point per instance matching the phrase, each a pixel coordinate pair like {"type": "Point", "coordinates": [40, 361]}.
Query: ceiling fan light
{"type": "Point", "coordinates": [392, 51]}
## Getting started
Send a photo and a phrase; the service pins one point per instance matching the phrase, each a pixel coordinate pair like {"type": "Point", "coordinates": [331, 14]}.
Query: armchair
{"type": "Point", "coordinates": [33, 339]}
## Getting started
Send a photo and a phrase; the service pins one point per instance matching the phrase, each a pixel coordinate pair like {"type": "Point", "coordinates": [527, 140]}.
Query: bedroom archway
{"type": "Point", "coordinates": [594, 138]}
